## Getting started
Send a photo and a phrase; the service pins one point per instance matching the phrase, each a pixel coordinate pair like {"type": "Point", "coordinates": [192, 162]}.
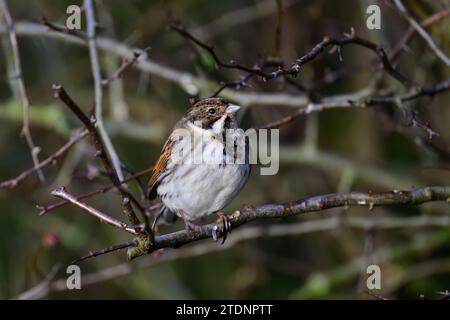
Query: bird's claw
{"type": "Point", "coordinates": [223, 231]}
{"type": "Point", "coordinates": [214, 233]}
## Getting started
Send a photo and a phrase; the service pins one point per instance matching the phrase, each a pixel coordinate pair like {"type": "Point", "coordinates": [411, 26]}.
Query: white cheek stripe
{"type": "Point", "coordinates": [217, 127]}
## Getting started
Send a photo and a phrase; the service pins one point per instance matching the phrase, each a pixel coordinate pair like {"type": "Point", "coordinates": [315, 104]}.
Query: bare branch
{"type": "Point", "coordinates": [61, 193]}
{"type": "Point", "coordinates": [210, 49]}
{"type": "Point", "coordinates": [363, 99]}
{"type": "Point", "coordinates": [190, 83]}
{"type": "Point", "coordinates": [100, 150]}
{"type": "Point", "coordinates": [312, 54]}
{"type": "Point", "coordinates": [415, 122]}
{"type": "Point", "coordinates": [347, 39]}
{"type": "Point", "coordinates": [53, 27]}
{"type": "Point", "coordinates": [125, 65]}
{"type": "Point", "coordinates": [44, 209]}
{"type": "Point", "coordinates": [96, 253]}
{"type": "Point", "coordinates": [411, 32]}
{"type": "Point", "coordinates": [247, 234]}
{"type": "Point", "coordinates": [318, 203]}
{"type": "Point", "coordinates": [420, 30]}
{"type": "Point", "coordinates": [95, 65]}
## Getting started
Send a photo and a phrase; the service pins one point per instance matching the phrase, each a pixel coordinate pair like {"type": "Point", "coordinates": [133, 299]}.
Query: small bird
{"type": "Point", "coordinates": [195, 189]}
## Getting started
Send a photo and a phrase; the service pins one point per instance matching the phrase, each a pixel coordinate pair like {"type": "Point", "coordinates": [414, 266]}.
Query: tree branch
{"type": "Point", "coordinates": [44, 209]}
{"type": "Point", "coordinates": [126, 63]}
{"type": "Point", "coordinates": [245, 234]}
{"type": "Point", "coordinates": [100, 150]}
{"type": "Point", "coordinates": [61, 193]}
{"type": "Point", "coordinates": [420, 30]}
{"type": "Point", "coordinates": [309, 56]}
{"type": "Point", "coordinates": [191, 84]}
{"type": "Point", "coordinates": [95, 65]}
{"type": "Point", "coordinates": [318, 203]}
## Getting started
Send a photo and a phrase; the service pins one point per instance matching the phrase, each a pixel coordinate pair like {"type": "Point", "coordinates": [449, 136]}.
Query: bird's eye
{"type": "Point", "coordinates": [211, 110]}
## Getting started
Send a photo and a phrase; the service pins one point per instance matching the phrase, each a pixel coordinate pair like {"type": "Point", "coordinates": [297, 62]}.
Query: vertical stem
{"type": "Point", "coordinates": [18, 77]}
{"type": "Point", "coordinates": [91, 33]}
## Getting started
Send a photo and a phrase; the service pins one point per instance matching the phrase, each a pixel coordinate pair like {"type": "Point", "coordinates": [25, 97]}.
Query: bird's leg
{"type": "Point", "coordinates": [192, 225]}
{"type": "Point", "coordinates": [225, 223]}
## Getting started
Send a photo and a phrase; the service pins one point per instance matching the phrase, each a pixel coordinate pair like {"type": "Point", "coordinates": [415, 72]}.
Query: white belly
{"type": "Point", "coordinates": [196, 190]}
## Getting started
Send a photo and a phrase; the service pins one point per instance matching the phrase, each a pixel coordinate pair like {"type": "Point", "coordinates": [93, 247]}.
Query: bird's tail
{"type": "Point", "coordinates": [165, 217]}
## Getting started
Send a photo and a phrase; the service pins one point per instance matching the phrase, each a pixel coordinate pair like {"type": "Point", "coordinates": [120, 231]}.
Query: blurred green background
{"type": "Point", "coordinates": [334, 150]}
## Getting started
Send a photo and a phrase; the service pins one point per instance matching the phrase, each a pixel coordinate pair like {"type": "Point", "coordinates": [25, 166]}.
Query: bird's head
{"type": "Point", "coordinates": [215, 114]}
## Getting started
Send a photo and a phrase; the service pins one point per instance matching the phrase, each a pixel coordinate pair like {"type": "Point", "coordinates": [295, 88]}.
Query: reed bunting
{"type": "Point", "coordinates": [200, 169]}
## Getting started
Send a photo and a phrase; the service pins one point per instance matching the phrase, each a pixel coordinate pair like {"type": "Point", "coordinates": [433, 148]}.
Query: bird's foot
{"type": "Point", "coordinates": [192, 226]}
{"type": "Point", "coordinates": [222, 228]}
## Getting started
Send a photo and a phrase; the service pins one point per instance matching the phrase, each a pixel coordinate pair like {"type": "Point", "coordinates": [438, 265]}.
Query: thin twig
{"type": "Point", "coordinates": [95, 65]}
{"type": "Point", "coordinates": [237, 84]}
{"type": "Point", "coordinates": [362, 99]}
{"type": "Point", "coordinates": [44, 209]}
{"type": "Point", "coordinates": [347, 39]}
{"type": "Point", "coordinates": [41, 288]}
{"type": "Point", "coordinates": [12, 183]}
{"type": "Point", "coordinates": [61, 193]}
{"type": "Point", "coordinates": [297, 65]}
{"type": "Point", "coordinates": [416, 25]}
{"type": "Point", "coordinates": [25, 132]}
{"type": "Point", "coordinates": [125, 65]}
{"type": "Point", "coordinates": [210, 49]}
{"type": "Point", "coordinates": [411, 32]}
{"type": "Point", "coordinates": [278, 28]}
{"type": "Point", "coordinates": [377, 296]}
{"type": "Point", "coordinates": [54, 27]}
{"type": "Point", "coordinates": [96, 253]}
{"type": "Point", "coordinates": [415, 122]}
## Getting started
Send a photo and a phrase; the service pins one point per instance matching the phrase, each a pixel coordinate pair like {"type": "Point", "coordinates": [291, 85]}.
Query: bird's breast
{"type": "Point", "coordinates": [205, 181]}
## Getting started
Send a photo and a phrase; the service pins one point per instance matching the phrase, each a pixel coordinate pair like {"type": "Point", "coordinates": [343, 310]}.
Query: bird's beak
{"type": "Point", "coordinates": [232, 108]}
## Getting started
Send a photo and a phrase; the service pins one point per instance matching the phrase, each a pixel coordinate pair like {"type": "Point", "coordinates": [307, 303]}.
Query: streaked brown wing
{"type": "Point", "coordinates": [161, 164]}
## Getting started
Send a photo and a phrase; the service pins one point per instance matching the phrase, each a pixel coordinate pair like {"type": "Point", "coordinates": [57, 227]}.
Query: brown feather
{"type": "Point", "coordinates": [161, 164]}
